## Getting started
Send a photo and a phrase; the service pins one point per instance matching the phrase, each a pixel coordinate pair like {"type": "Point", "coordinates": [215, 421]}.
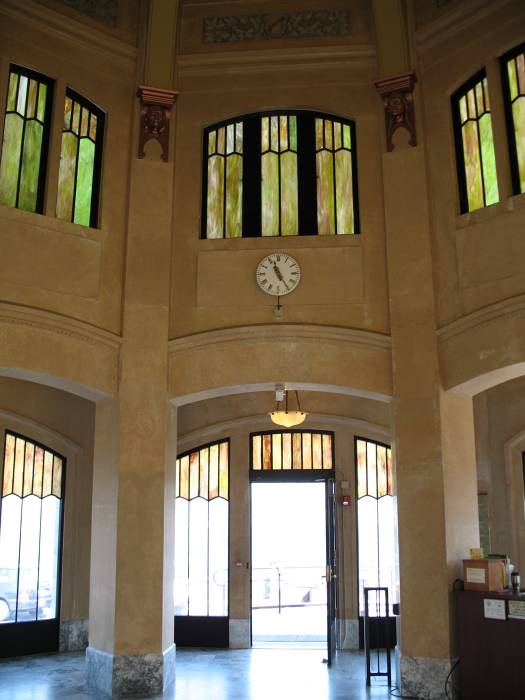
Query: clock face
{"type": "Point", "coordinates": [278, 274]}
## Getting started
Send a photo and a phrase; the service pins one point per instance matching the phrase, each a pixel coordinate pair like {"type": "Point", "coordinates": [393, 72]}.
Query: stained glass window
{"type": "Point", "coordinates": [376, 519]}
{"type": "Point", "coordinates": [292, 450]}
{"type": "Point", "coordinates": [80, 161]}
{"type": "Point", "coordinates": [335, 202]}
{"type": "Point", "coordinates": [279, 174]}
{"type": "Point", "coordinates": [478, 184]}
{"type": "Point", "coordinates": [513, 75]}
{"type": "Point", "coordinates": [30, 525]}
{"type": "Point", "coordinates": [201, 531]}
{"type": "Point", "coordinates": [26, 136]}
{"type": "Point", "coordinates": [224, 181]}
{"type": "Point", "coordinates": [279, 208]}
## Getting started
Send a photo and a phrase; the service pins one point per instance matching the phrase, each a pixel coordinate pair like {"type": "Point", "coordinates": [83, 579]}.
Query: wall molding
{"type": "Point", "coordinates": [508, 308]}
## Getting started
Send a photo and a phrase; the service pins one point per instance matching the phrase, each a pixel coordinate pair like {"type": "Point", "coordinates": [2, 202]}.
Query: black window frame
{"type": "Point", "coordinates": [458, 140]}
{"type": "Point", "coordinates": [306, 172]}
{"type": "Point", "coordinates": [46, 130]}
{"type": "Point", "coordinates": [509, 118]}
{"type": "Point", "coordinates": [97, 162]}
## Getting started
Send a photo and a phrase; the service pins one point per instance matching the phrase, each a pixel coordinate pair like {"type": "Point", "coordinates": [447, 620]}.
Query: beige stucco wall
{"type": "Point", "coordinates": [64, 423]}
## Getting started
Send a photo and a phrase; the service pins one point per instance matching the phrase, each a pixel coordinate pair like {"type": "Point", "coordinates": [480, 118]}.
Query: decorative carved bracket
{"type": "Point", "coordinates": [398, 102]}
{"type": "Point", "coordinates": [155, 113]}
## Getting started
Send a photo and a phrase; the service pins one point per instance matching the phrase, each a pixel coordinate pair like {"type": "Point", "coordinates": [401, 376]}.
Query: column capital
{"type": "Point", "coordinates": [155, 113]}
{"type": "Point", "coordinates": [398, 102]}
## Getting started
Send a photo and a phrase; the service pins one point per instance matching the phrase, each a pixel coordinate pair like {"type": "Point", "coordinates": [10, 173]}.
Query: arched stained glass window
{"type": "Point", "coordinates": [280, 173]}
{"type": "Point", "coordinates": [476, 161]}
{"type": "Point", "coordinates": [201, 531]}
{"type": "Point", "coordinates": [292, 451]}
{"type": "Point", "coordinates": [224, 181]}
{"type": "Point", "coordinates": [376, 519]}
{"type": "Point", "coordinates": [513, 76]}
{"type": "Point", "coordinates": [80, 161]}
{"type": "Point", "coordinates": [25, 142]}
{"type": "Point", "coordinates": [30, 527]}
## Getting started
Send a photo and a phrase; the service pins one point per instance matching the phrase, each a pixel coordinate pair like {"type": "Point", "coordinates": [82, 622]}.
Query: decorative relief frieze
{"type": "Point", "coordinates": [276, 25]}
{"type": "Point", "coordinates": [104, 10]}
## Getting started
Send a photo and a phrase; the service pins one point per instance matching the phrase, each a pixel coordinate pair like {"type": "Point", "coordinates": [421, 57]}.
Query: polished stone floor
{"type": "Point", "coordinates": [210, 674]}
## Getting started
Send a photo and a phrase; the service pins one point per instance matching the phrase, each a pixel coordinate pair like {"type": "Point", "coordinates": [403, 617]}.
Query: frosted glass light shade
{"type": "Point", "coordinates": [288, 418]}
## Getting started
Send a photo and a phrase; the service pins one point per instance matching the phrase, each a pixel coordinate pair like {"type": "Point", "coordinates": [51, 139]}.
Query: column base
{"type": "Point", "coordinates": [350, 634]}
{"type": "Point", "coordinates": [130, 676]}
{"type": "Point", "coordinates": [240, 637]}
{"type": "Point", "coordinates": [425, 678]}
{"type": "Point", "coordinates": [73, 635]}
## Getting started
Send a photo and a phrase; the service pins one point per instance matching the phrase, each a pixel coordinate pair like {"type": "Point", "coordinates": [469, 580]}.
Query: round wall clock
{"type": "Point", "coordinates": [278, 274]}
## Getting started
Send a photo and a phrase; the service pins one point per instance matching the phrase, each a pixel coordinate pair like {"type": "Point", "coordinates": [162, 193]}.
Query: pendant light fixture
{"type": "Point", "coordinates": [286, 418]}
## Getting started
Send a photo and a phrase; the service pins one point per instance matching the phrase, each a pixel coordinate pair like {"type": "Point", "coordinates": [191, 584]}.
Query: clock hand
{"type": "Point", "coordinates": [279, 275]}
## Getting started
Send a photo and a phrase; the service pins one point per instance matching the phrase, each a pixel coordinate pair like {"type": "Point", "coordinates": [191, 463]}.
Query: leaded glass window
{"type": "Point", "coordinates": [80, 161]}
{"type": "Point", "coordinates": [478, 183]}
{"type": "Point", "coordinates": [513, 75]}
{"type": "Point", "coordinates": [25, 142]}
{"type": "Point", "coordinates": [279, 173]}
{"type": "Point", "coordinates": [292, 451]}
{"type": "Point", "coordinates": [335, 203]}
{"type": "Point", "coordinates": [30, 527]}
{"type": "Point", "coordinates": [201, 531]}
{"type": "Point", "coordinates": [376, 519]}
{"type": "Point", "coordinates": [224, 181]}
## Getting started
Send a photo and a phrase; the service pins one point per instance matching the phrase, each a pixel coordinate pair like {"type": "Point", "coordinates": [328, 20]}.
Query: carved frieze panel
{"type": "Point", "coordinates": [276, 25]}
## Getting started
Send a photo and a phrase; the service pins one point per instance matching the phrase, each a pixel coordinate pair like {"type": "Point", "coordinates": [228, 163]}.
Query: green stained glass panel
{"type": "Point", "coordinates": [234, 196]}
{"type": "Point", "coordinates": [84, 187]}
{"type": "Point", "coordinates": [347, 136]}
{"type": "Point", "coordinates": [463, 109]}
{"type": "Point", "coordinates": [289, 203]}
{"type": "Point", "coordinates": [9, 166]}
{"type": "Point", "coordinates": [93, 127]}
{"type": "Point", "coordinates": [328, 134]}
{"type": "Point", "coordinates": [337, 136]}
{"type": "Point", "coordinates": [215, 203]}
{"type": "Point", "coordinates": [212, 142]}
{"type": "Point", "coordinates": [274, 133]}
{"type": "Point", "coordinates": [325, 193]}
{"type": "Point", "coordinates": [479, 98]}
{"type": "Point", "coordinates": [472, 165]}
{"type": "Point", "coordinates": [520, 63]}
{"type": "Point", "coordinates": [270, 194]}
{"type": "Point", "coordinates": [84, 122]}
{"type": "Point", "coordinates": [318, 134]}
{"type": "Point", "coordinates": [68, 108]}
{"type": "Point", "coordinates": [76, 117]}
{"type": "Point", "coordinates": [230, 138]}
{"type": "Point", "coordinates": [28, 192]}
{"type": "Point", "coordinates": [31, 99]}
{"type": "Point", "coordinates": [42, 94]}
{"type": "Point", "coordinates": [513, 79]}
{"type": "Point", "coordinates": [265, 134]}
{"type": "Point", "coordinates": [471, 104]}
{"type": "Point", "coordinates": [66, 176]}
{"type": "Point", "coordinates": [344, 198]}
{"type": "Point", "coordinates": [283, 133]}
{"type": "Point", "coordinates": [238, 137]}
{"type": "Point", "coordinates": [293, 132]}
{"type": "Point", "coordinates": [22, 94]}
{"type": "Point", "coordinates": [490, 179]}
{"type": "Point", "coordinates": [486, 93]}
{"type": "Point", "coordinates": [220, 141]}
{"type": "Point", "coordinates": [518, 114]}
{"type": "Point", "coordinates": [11, 92]}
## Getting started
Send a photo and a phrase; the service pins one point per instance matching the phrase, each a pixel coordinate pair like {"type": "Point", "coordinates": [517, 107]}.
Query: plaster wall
{"type": "Point", "coordinates": [65, 423]}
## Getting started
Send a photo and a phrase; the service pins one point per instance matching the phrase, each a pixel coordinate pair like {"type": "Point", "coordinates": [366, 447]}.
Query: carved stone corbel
{"type": "Point", "coordinates": [398, 102]}
{"type": "Point", "coordinates": [155, 112]}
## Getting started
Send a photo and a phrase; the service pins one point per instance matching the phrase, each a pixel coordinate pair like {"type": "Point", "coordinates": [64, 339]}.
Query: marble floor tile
{"type": "Point", "coordinates": [206, 674]}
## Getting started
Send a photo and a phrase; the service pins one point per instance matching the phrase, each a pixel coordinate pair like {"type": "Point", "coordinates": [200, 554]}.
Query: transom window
{"type": "Point", "coordinates": [513, 77]}
{"type": "Point", "coordinates": [476, 161]}
{"type": "Point", "coordinates": [292, 451]}
{"type": "Point", "coordinates": [201, 531]}
{"type": "Point", "coordinates": [30, 530]}
{"type": "Point", "coordinates": [279, 174]}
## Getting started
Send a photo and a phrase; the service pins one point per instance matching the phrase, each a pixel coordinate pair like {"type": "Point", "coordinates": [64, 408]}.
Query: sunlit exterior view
{"type": "Point", "coordinates": [30, 530]}
{"type": "Point", "coordinates": [376, 520]}
{"type": "Point", "coordinates": [201, 531]}
{"type": "Point", "coordinates": [24, 148]}
{"type": "Point", "coordinates": [475, 145]}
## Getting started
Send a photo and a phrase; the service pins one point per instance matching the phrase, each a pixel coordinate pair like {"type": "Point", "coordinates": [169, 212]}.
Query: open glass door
{"type": "Point", "coordinates": [331, 571]}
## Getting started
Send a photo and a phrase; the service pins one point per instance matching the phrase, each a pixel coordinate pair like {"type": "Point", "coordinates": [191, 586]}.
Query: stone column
{"type": "Point", "coordinates": [433, 437]}
{"type": "Point", "coordinates": [131, 648]}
